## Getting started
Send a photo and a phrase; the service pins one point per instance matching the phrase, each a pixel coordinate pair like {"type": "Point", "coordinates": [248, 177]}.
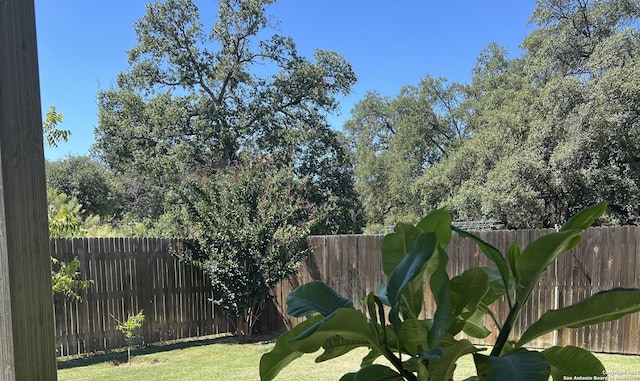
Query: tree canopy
{"type": "Point", "coordinates": [396, 140]}
{"type": "Point", "coordinates": [194, 99]}
{"type": "Point", "coordinates": [545, 134]}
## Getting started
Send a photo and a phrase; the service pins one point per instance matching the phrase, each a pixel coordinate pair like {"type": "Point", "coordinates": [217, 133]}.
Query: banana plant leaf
{"type": "Point", "coordinates": [602, 307]}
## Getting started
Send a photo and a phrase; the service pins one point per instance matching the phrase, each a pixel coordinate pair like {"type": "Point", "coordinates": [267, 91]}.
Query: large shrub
{"type": "Point", "coordinates": [248, 225]}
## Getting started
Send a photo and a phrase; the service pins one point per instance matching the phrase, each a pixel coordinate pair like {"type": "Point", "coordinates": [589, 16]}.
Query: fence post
{"type": "Point", "coordinates": [27, 345]}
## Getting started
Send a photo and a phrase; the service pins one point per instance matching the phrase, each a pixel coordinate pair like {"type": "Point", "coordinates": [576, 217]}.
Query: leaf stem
{"type": "Point", "coordinates": [505, 331]}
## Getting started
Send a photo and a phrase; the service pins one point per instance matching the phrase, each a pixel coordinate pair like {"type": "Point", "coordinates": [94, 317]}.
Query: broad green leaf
{"type": "Point", "coordinates": [272, 362]}
{"type": "Point", "coordinates": [572, 361]}
{"type": "Point", "coordinates": [496, 286]}
{"type": "Point", "coordinates": [474, 325]}
{"type": "Point", "coordinates": [349, 323]}
{"type": "Point", "coordinates": [338, 346]}
{"type": "Point", "coordinates": [396, 245]}
{"type": "Point", "coordinates": [442, 368]}
{"type": "Point", "coordinates": [519, 365]}
{"type": "Point", "coordinates": [314, 297]}
{"type": "Point", "coordinates": [441, 290]}
{"type": "Point", "coordinates": [599, 308]}
{"type": "Point", "coordinates": [411, 266]}
{"type": "Point", "coordinates": [416, 365]}
{"type": "Point", "coordinates": [377, 372]}
{"type": "Point", "coordinates": [413, 336]}
{"type": "Point", "coordinates": [467, 290]}
{"type": "Point", "coordinates": [514, 256]}
{"type": "Point", "coordinates": [376, 316]}
{"type": "Point", "coordinates": [490, 252]}
{"type": "Point", "coordinates": [432, 353]}
{"type": "Point", "coordinates": [423, 374]}
{"type": "Point", "coordinates": [372, 356]}
{"type": "Point", "coordinates": [411, 300]}
{"type": "Point", "coordinates": [585, 217]}
{"type": "Point", "coordinates": [536, 257]}
{"type": "Point", "coordinates": [438, 222]}
{"type": "Point", "coordinates": [348, 377]}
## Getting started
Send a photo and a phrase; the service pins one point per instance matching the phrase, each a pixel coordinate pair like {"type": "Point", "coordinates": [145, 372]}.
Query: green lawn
{"type": "Point", "coordinates": [219, 360]}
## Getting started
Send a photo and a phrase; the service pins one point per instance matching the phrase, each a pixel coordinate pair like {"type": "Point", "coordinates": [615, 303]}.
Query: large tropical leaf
{"type": "Point", "coordinates": [442, 368]}
{"type": "Point", "coordinates": [490, 252]}
{"type": "Point", "coordinates": [438, 222]}
{"type": "Point", "coordinates": [411, 301]}
{"type": "Point", "coordinates": [467, 290]}
{"type": "Point", "coordinates": [396, 245]}
{"type": "Point", "coordinates": [377, 372]}
{"type": "Point", "coordinates": [536, 257]}
{"type": "Point", "coordinates": [599, 308]}
{"type": "Point", "coordinates": [441, 290]}
{"type": "Point", "coordinates": [413, 336]}
{"type": "Point", "coordinates": [348, 323]}
{"type": "Point", "coordinates": [411, 267]}
{"type": "Point", "coordinates": [338, 346]}
{"type": "Point", "coordinates": [272, 362]}
{"type": "Point", "coordinates": [572, 361]}
{"type": "Point", "coordinates": [496, 285]}
{"type": "Point", "coordinates": [519, 365]}
{"type": "Point", "coordinates": [474, 325]}
{"type": "Point", "coordinates": [314, 297]}
{"type": "Point", "coordinates": [372, 356]}
{"type": "Point", "coordinates": [585, 217]}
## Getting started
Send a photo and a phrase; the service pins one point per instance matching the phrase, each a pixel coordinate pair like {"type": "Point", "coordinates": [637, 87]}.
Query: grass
{"type": "Point", "coordinates": [221, 359]}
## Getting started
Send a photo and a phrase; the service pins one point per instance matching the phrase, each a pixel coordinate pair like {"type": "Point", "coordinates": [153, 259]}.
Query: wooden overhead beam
{"type": "Point", "coordinates": [27, 346]}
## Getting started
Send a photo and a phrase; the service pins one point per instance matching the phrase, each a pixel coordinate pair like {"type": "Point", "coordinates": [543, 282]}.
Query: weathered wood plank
{"type": "Point", "coordinates": [27, 335]}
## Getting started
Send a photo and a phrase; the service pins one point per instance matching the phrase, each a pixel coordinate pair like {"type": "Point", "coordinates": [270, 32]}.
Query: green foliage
{"type": "Point", "coordinates": [67, 219]}
{"type": "Point", "coordinates": [52, 134]}
{"type": "Point", "coordinates": [193, 99]}
{"type": "Point", "coordinates": [414, 257]}
{"type": "Point", "coordinates": [66, 279]}
{"type": "Point", "coordinates": [395, 140]}
{"type": "Point", "coordinates": [89, 182]}
{"type": "Point", "coordinates": [248, 226]}
{"type": "Point", "coordinates": [530, 141]}
{"type": "Point", "coordinates": [132, 323]}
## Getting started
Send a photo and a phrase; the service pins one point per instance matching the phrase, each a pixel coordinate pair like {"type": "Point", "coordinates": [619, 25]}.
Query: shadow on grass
{"type": "Point", "coordinates": [120, 357]}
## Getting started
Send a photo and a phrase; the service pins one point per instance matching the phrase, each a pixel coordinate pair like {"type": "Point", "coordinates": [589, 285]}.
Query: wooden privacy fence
{"type": "Point", "coordinates": [140, 274]}
{"type": "Point", "coordinates": [605, 258]}
{"type": "Point", "coordinates": [129, 275]}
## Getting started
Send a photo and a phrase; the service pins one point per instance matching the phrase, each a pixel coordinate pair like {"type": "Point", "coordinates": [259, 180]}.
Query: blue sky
{"type": "Point", "coordinates": [82, 45]}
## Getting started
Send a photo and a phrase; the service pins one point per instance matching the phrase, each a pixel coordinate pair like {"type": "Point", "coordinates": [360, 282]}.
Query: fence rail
{"type": "Point", "coordinates": [140, 274]}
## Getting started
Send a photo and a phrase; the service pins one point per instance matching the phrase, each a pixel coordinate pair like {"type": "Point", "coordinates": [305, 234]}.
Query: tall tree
{"type": "Point", "coordinates": [193, 99]}
{"type": "Point", "coordinates": [555, 130]}
{"type": "Point", "coordinates": [396, 139]}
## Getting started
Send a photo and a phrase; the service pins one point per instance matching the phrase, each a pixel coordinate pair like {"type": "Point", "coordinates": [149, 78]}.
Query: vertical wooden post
{"type": "Point", "coordinates": [27, 346]}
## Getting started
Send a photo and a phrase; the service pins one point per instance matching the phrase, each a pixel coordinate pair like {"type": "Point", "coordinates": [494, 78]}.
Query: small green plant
{"type": "Point", "coordinates": [67, 280]}
{"type": "Point", "coordinates": [127, 328]}
{"type": "Point", "coordinates": [420, 349]}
